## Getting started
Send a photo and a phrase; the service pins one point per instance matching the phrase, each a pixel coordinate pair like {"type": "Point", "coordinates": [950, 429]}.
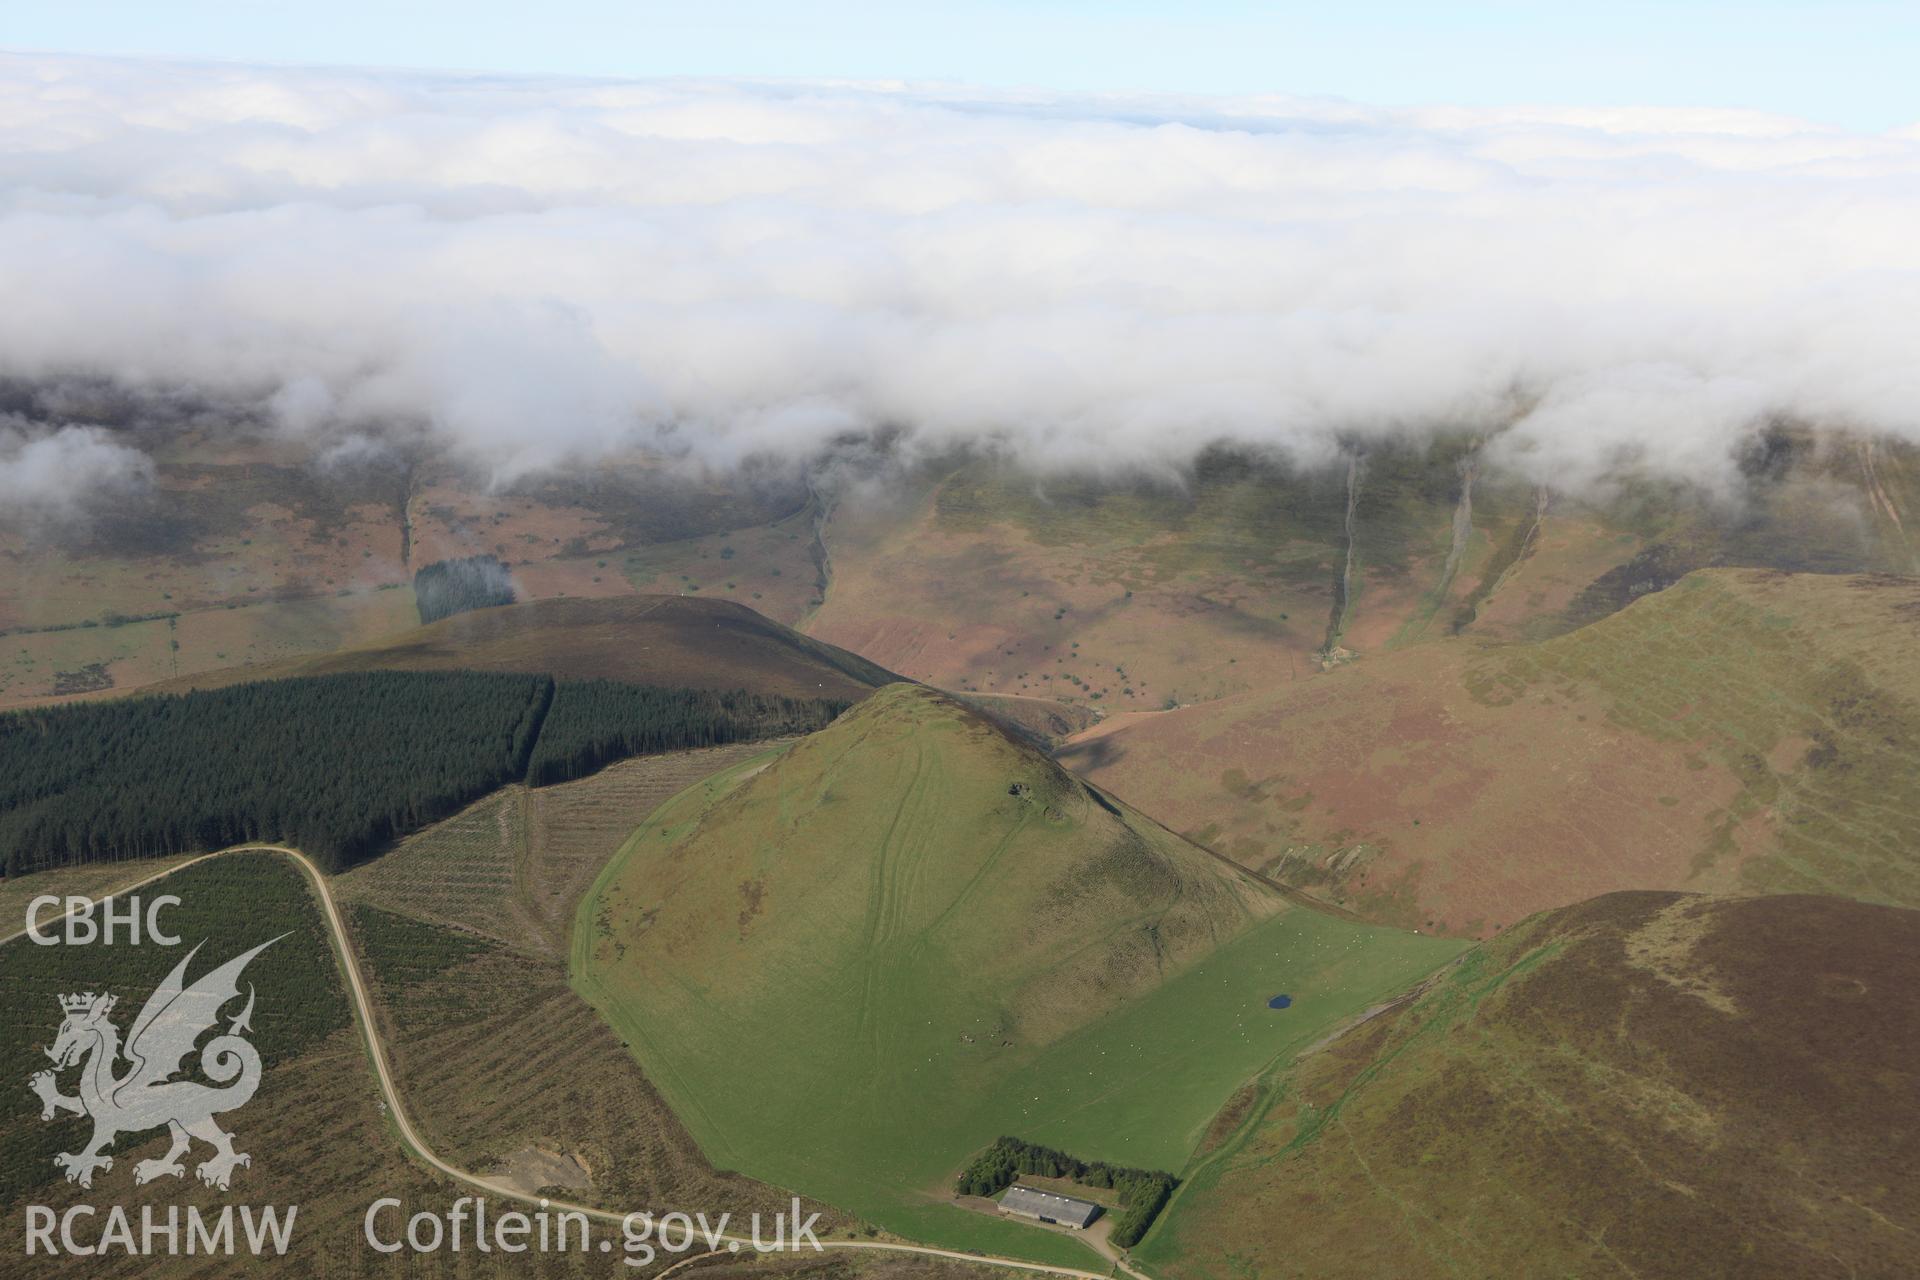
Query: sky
{"type": "Point", "coordinates": [1842, 62]}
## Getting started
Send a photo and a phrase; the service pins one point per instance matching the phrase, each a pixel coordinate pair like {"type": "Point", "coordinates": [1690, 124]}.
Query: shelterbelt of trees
{"type": "Point", "coordinates": [1143, 1192]}
{"type": "Point", "coordinates": [338, 765]}
{"type": "Point", "coordinates": [447, 587]}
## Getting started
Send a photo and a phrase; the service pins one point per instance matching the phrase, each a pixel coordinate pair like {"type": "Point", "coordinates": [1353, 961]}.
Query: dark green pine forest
{"type": "Point", "coordinates": [595, 722]}
{"type": "Point", "coordinates": [447, 587]}
{"type": "Point", "coordinates": [339, 765]}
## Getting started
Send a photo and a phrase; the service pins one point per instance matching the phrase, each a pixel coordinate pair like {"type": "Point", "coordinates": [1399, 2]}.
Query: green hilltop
{"type": "Point", "coordinates": [852, 965]}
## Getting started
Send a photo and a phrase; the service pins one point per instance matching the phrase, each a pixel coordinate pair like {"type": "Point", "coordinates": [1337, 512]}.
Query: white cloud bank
{"type": "Point", "coordinates": [544, 269]}
{"type": "Point", "coordinates": [52, 473]}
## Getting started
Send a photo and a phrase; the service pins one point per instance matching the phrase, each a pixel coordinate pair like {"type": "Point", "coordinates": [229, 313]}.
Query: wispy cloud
{"type": "Point", "coordinates": [54, 473]}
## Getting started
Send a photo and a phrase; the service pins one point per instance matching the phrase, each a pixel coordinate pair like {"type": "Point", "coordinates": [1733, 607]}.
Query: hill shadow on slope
{"type": "Point", "coordinates": [684, 641]}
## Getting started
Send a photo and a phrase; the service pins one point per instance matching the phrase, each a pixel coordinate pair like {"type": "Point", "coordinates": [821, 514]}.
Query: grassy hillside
{"type": "Point", "coordinates": [1739, 730]}
{"type": "Point", "coordinates": [669, 640]}
{"type": "Point", "coordinates": [1647, 1084]}
{"type": "Point", "coordinates": [851, 966]}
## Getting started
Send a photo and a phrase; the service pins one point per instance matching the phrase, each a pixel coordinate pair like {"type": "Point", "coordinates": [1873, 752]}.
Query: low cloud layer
{"type": "Point", "coordinates": [54, 474]}
{"type": "Point", "coordinates": [543, 270]}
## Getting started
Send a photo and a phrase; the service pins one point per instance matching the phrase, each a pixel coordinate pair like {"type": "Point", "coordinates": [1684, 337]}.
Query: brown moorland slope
{"type": "Point", "coordinates": [1107, 588]}
{"type": "Point", "coordinates": [1646, 1084]}
{"type": "Point", "coordinates": [252, 546]}
{"type": "Point", "coordinates": [1128, 593]}
{"type": "Point", "coordinates": [675, 640]}
{"type": "Point", "coordinates": [1742, 729]}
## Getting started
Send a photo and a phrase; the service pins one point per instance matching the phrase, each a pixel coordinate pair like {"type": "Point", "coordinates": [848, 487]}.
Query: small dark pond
{"type": "Point", "coordinates": [1279, 1002]}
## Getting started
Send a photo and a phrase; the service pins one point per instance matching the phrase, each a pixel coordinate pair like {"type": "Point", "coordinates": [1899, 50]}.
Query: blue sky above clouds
{"type": "Point", "coordinates": [1843, 62]}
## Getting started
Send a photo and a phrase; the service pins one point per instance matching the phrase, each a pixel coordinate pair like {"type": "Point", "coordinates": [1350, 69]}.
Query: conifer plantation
{"type": "Point", "coordinates": [338, 765]}
{"type": "Point", "coordinates": [447, 587]}
{"type": "Point", "coordinates": [595, 722]}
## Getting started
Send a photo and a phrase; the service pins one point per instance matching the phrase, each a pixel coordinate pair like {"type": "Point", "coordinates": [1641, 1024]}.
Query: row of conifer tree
{"type": "Point", "coordinates": [339, 765]}
{"type": "Point", "coordinates": [1143, 1192]}
{"type": "Point", "coordinates": [447, 587]}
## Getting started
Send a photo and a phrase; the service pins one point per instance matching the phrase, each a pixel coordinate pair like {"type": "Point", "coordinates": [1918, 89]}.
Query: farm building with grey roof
{"type": "Point", "coordinates": [1048, 1206]}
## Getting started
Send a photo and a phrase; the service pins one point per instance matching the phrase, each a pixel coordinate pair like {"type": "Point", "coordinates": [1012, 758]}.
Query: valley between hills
{"type": "Point", "coordinates": [1367, 851]}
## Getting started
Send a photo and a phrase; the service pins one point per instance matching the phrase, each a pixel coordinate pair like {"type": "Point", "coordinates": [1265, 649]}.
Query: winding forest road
{"type": "Point", "coordinates": [390, 1091]}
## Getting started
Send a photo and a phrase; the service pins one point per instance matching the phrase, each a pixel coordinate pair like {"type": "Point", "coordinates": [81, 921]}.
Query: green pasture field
{"type": "Point", "coordinates": [808, 1094]}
